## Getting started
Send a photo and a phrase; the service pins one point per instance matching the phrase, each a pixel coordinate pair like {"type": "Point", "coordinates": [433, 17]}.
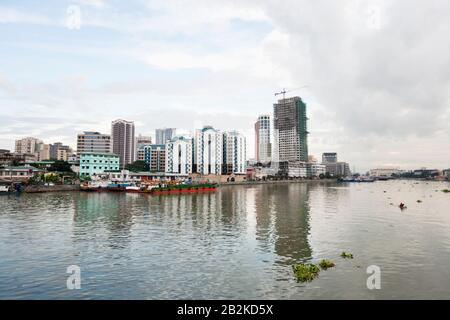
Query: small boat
{"type": "Point", "coordinates": [118, 187]}
{"type": "Point", "coordinates": [6, 190]}
{"type": "Point", "coordinates": [133, 189]}
{"type": "Point", "coordinates": [93, 186]}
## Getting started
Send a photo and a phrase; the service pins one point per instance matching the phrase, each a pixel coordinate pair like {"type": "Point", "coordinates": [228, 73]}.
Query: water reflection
{"type": "Point", "coordinates": [283, 218]}
{"type": "Point", "coordinates": [95, 213]}
{"type": "Point", "coordinates": [236, 243]}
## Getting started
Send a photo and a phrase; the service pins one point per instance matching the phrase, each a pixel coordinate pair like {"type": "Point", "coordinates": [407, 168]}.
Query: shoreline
{"type": "Point", "coordinates": [76, 188]}
{"type": "Point", "coordinates": [249, 183]}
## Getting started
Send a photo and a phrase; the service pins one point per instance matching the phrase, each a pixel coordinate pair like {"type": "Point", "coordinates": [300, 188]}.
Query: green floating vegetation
{"type": "Point", "coordinates": [446, 190]}
{"type": "Point", "coordinates": [305, 271]}
{"type": "Point", "coordinates": [325, 264]}
{"type": "Point", "coordinates": [346, 255]}
{"type": "Point", "coordinates": [419, 201]}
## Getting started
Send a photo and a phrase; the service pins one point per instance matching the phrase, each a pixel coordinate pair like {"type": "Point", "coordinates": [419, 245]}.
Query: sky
{"type": "Point", "coordinates": [375, 74]}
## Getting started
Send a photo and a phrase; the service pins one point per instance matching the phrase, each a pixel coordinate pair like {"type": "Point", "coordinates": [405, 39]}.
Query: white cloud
{"type": "Point", "coordinates": [10, 15]}
{"type": "Point", "coordinates": [377, 71]}
{"type": "Point", "coordinates": [99, 4]}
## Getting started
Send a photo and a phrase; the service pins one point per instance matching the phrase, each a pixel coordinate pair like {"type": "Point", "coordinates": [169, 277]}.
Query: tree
{"type": "Point", "coordinates": [51, 178]}
{"type": "Point", "coordinates": [60, 166]}
{"type": "Point", "coordinates": [137, 166]}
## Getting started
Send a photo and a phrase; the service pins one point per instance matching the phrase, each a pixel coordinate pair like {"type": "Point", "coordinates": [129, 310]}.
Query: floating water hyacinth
{"type": "Point", "coordinates": [325, 264]}
{"type": "Point", "coordinates": [346, 255]}
{"type": "Point", "coordinates": [305, 272]}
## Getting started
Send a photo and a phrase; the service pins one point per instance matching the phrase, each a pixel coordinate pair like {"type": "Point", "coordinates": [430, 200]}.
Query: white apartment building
{"type": "Point", "coordinates": [208, 151]}
{"type": "Point", "coordinates": [179, 155]}
{"type": "Point", "coordinates": [235, 152]}
{"type": "Point", "coordinates": [263, 146]}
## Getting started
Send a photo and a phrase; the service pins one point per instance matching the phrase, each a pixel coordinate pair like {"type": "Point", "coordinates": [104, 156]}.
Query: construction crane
{"type": "Point", "coordinates": [283, 92]}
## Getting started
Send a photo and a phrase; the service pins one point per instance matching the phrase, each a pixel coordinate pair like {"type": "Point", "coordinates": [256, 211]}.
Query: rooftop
{"type": "Point", "coordinates": [99, 154]}
{"type": "Point", "coordinates": [19, 168]}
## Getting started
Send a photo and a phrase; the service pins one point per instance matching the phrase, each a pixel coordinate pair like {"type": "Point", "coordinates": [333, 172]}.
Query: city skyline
{"type": "Point", "coordinates": [374, 107]}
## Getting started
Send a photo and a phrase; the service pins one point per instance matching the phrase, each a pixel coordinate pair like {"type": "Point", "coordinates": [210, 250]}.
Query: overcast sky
{"type": "Point", "coordinates": [377, 72]}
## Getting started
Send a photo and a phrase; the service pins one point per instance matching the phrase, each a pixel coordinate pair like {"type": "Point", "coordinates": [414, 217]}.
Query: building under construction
{"type": "Point", "coordinates": [290, 131]}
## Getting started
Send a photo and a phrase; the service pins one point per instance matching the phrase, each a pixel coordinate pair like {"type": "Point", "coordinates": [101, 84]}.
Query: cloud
{"type": "Point", "coordinates": [378, 71]}
{"type": "Point", "coordinates": [13, 16]}
{"type": "Point", "coordinates": [99, 4]}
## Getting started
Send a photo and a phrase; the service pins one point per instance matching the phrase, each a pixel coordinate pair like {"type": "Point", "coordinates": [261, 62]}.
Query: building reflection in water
{"type": "Point", "coordinates": [268, 219]}
{"type": "Point", "coordinates": [104, 211]}
{"type": "Point", "coordinates": [282, 221]}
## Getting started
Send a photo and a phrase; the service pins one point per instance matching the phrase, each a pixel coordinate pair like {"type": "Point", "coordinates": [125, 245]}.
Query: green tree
{"type": "Point", "coordinates": [137, 166]}
{"type": "Point", "coordinates": [60, 166]}
{"type": "Point", "coordinates": [51, 178]}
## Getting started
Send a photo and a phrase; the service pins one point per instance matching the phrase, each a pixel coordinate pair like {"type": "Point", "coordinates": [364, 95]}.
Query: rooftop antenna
{"type": "Point", "coordinates": [283, 92]}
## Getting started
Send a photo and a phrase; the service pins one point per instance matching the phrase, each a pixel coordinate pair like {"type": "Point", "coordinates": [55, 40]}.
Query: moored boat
{"type": "Point", "coordinates": [118, 187]}
{"type": "Point", "coordinates": [183, 188]}
{"type": "Point", "coordinates": [133, 189]}
{"type": "Point", "coordinates": [6, 190]}
{"type": "Point", "coordinates": [93, 186]}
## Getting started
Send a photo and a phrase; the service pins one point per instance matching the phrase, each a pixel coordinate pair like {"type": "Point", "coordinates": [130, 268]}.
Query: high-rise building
{"type": "Point", "coordinates": [234, 152]}
{"type": "Point", "coordinates": [94, 142]}
{"type": "Point", "coordinates": [141, 142]}
{"type": "Point", "coordinates": [123, 141]}
{"type": "Point", "coordinates": [63, 154]}
{"type": "Point", "coordinates": [57, 151]}
{"type": "Point", "coordinates": [27, 145]}
{"type": "Point", "coordinates": [155, 157]}
{"type": "Point", "coordinates": [208, 151]}
{"type": "Point", "coordinates": [290, 130]}
{"type": "Point", "coordinates": [43, 152]}
{"type": "Point", "coordinates": [263, 146]}
{"type": "Point", "coordinates": [164, 135]}
{"type": "Point", "coordinates": [333, 166]}
{"type": "Point", "coordinates": [329, 157]}
{"type": "Point", "coordinates": [179, 155]}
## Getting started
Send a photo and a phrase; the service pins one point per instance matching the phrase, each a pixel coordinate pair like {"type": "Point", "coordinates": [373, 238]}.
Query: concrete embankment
{"type": "Point", "coordinates": [250, 183]}
{"type": "Point", "coordinates": [57, 188]}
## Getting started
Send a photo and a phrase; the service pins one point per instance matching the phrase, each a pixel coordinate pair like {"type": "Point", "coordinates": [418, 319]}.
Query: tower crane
{"type": "Point", "coordinates": [283, 92]}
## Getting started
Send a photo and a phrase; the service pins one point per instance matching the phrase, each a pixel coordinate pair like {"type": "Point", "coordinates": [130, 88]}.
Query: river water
{"type": "Point", "coordinates": [237, 243]}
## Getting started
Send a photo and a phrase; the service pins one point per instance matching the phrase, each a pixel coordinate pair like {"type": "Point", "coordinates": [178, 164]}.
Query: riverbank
{"type": "Point", "coordinates": [56, 188]}
{"type": "Point", "coordinates": [245, 183]}
{"type": "Point", "coordinates": [66, 188]}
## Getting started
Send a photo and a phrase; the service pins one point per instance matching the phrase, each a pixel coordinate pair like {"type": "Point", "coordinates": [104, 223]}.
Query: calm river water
{"type": "Point", "coordinates": [237, 243]}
